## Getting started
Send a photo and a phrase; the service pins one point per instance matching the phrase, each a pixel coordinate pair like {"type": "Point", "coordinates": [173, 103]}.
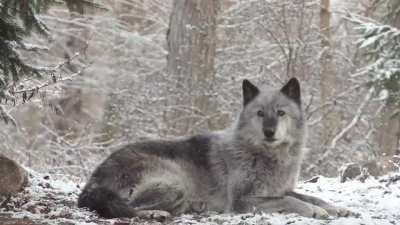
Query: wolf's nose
{"type": "Point", "coordinates": [269, 133]}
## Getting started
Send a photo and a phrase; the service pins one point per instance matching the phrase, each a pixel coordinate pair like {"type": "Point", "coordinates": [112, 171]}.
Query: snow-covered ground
{"type": "Point", "coordinates": [52, 201]}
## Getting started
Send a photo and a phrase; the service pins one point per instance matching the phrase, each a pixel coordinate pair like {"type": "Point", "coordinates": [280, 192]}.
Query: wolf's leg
{"type": "Point", "coordinates": [331, 209]}
{"type": "Point", "coordinates": [288, 204]}
{"type": "Point", "coordinates": [161, 194]}
{"type": "Point", "coordinates": [158, 215]}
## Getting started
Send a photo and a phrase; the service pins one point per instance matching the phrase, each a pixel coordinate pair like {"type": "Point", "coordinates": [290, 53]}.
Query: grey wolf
{"type": "Point", "coordinates": [251, 166]}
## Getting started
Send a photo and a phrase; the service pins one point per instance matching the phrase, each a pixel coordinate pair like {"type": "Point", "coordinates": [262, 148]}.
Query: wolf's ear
{"type": "Point", "coordinates": [250, 91]}
{"type": "Point", "coordinates": [292, 90]}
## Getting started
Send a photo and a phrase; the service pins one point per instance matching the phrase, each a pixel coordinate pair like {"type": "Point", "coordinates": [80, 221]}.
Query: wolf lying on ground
{"type": "Point", "coordinates": [251, 166]}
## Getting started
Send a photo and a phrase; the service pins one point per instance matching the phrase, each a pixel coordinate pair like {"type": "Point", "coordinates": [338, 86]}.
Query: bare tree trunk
{"type": "Point", "coordinates": [328, 81]}
{"type": "Point", "coordinates": [132, 14]}
{"type": "Point", "coordinates": [388, 135]}
{"type": "Point", "coordinates": [77, 41]}
{"type": "Point", "coordinates": [191, 44]}
{"type": "Point", "coordinates": [72, 101]}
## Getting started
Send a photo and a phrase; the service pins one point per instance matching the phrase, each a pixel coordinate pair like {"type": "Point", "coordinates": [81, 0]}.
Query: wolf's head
{"type": "Point", "coordinates": [271, 117]}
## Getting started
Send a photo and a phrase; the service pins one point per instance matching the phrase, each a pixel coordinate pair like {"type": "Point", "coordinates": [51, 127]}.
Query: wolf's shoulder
{"type": "Point", "coordinates": [194, 148]}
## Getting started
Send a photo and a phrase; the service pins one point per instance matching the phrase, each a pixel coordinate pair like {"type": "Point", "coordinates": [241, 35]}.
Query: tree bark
{"type": "Point", "coordinates": [388, 135]}
{"type": "Point", "coordinates": [75, 97]}
{"type": "Point", "coordinates": [328, 81]}
{"type": "Point", "coordinates": [191, 44]}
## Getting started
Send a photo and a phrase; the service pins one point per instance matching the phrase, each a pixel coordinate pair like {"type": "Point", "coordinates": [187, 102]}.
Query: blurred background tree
{"type": "Point", "coordinates": [191, 38]}
{"type": "Point", "coordinates": [381, 42]}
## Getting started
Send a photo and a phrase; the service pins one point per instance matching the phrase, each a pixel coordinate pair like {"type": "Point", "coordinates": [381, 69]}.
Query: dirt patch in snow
{"type": "Point", "coordinates": [51, 201]}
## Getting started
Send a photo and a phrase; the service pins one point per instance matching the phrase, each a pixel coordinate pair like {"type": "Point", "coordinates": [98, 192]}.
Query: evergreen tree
{"type": "Point", "coordinates": [381, 42]}
{"type": "Point", "coordinates": [18, 19]}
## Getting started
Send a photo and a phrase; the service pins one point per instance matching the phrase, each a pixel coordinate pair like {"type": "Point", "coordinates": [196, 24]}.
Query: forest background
{"type": "Point", "coordinates": [78, 77]}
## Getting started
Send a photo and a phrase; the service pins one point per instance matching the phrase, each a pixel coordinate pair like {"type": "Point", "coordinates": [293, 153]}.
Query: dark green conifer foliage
{"type": "Point", "coordinates": [381, 41]}
{"type": "Point", "coordinates": [18, 19]}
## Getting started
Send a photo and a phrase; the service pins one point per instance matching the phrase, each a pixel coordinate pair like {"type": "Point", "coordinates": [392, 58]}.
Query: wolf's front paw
{"type": "Point", "coordinates": [199, 206]}
{"type": "Point", "coordinates": [158, 215]}
{"type": "Point", "coordinates": [319, 213]}
{"type": "Point", "coordinates": [338, 211]}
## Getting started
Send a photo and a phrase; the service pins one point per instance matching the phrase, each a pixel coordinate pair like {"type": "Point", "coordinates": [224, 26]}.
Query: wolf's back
{"type": "Point", "coordinates": [105, 202]}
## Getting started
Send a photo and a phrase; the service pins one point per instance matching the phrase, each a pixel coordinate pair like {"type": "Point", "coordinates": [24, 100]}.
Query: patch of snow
{"type": "Point", "coordinates": [67, 187]}
{"type": "Point", "coordinates": [53, 201]}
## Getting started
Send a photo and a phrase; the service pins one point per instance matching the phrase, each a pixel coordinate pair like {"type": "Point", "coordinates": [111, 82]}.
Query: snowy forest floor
{"type": "Point", "coordinates": [47, 200]}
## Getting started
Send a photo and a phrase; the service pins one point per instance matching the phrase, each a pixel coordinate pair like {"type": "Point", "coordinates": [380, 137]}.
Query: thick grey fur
{"type": "Point", "coordinates": [251, 166]}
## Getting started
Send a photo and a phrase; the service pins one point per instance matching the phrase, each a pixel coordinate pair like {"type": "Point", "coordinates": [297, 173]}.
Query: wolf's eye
{"type": "Point", "coordinates": [281, 113]}
{"type": "Point", "coordinates": [260, 113]}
